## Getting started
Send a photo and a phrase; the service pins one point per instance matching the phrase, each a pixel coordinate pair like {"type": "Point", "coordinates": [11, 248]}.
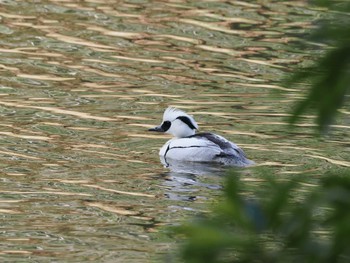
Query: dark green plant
{"type": "Point", "coordinates": [330, 73]}
{"type": "Point", "coordinates": [270, 226]}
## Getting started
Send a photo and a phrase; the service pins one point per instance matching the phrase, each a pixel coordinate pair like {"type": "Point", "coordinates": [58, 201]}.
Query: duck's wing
{"type": "Point", "coordinates": [230, 153]}
{"type": "Point", "coordinates": [227, 147]}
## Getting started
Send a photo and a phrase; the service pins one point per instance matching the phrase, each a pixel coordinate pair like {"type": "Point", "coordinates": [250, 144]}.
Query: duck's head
{"type": "Point", "coordinates": [177, 122]}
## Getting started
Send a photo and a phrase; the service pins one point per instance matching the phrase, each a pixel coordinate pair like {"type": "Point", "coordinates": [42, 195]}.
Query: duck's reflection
{"type": "Point", "coordinates": [183, 180]}
{"type": "Point", "coordinates": [195, 168]}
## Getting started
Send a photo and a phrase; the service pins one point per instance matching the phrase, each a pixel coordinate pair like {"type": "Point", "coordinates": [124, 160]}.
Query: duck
{"type": "Point", "coordinates": [188, 145]}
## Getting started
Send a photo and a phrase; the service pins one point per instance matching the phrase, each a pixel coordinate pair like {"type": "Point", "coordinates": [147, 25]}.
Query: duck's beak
{"type": "Point", "coordinates": [157, 129]}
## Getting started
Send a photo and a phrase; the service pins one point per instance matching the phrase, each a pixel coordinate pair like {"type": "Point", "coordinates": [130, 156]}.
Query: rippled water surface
{"type": "Point", "coordinates": [82, 81]}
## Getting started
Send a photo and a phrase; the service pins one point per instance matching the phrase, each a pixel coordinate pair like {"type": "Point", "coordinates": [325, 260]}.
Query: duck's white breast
{"type": "Point", "coordinates": [190, 149]}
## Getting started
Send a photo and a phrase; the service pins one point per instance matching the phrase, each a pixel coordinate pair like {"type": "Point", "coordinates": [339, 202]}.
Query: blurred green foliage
{"type": "Point", "coordinates": [330, 73]}
{"type": "Point", "coordinates": [274, 227]}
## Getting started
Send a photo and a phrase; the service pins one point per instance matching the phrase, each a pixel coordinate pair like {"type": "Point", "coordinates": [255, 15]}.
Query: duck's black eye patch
{"type": "Point", "coordinates": [166, 125]}
{"type": "Point", "coordinates": [187, 121]}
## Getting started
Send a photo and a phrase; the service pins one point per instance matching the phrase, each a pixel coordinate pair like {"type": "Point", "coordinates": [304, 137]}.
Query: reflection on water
{"type": "Point", "coordinates": [180, 186]}
{"type": "Point", "coordinates": [197, 168]}
{"type": "Point", "coordinates": [81, 81]}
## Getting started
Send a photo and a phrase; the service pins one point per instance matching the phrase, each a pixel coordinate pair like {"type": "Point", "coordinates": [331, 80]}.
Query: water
{"type": "Point", "coordinates": [82, 81]}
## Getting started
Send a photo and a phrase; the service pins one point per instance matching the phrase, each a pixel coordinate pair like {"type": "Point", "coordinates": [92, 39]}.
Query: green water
{"type": "Point", "coordinates": [82, 81]}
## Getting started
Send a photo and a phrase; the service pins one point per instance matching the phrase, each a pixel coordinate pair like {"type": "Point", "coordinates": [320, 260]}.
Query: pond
{"type": "Point", "coordinates": [83, 81]}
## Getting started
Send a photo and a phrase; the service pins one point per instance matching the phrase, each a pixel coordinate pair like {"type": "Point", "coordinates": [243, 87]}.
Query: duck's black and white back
{"type": "Point", "coordinates": [189, 146]}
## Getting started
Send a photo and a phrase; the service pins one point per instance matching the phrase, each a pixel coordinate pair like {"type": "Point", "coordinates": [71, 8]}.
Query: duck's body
{"type": "Point", "coordinates": [189, 146]}
{"type": "Point", "coordinates": [204, 147]}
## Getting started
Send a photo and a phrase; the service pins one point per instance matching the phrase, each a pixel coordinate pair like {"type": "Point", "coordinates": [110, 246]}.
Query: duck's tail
{"type": "Point", "coordinates": [233, 160]}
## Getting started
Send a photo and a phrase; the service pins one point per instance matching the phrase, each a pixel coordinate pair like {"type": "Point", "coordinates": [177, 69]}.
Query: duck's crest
{"type": "Point", "coordinates": [172, 113]}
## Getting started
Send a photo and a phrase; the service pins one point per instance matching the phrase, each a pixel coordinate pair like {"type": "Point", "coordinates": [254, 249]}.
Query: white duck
{"type": "Point", "coordinates": [189, 146]}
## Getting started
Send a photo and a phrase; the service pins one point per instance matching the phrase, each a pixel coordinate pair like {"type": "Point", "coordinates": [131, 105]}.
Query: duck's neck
{"type": "Point", "coordinates": [185, 134]}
